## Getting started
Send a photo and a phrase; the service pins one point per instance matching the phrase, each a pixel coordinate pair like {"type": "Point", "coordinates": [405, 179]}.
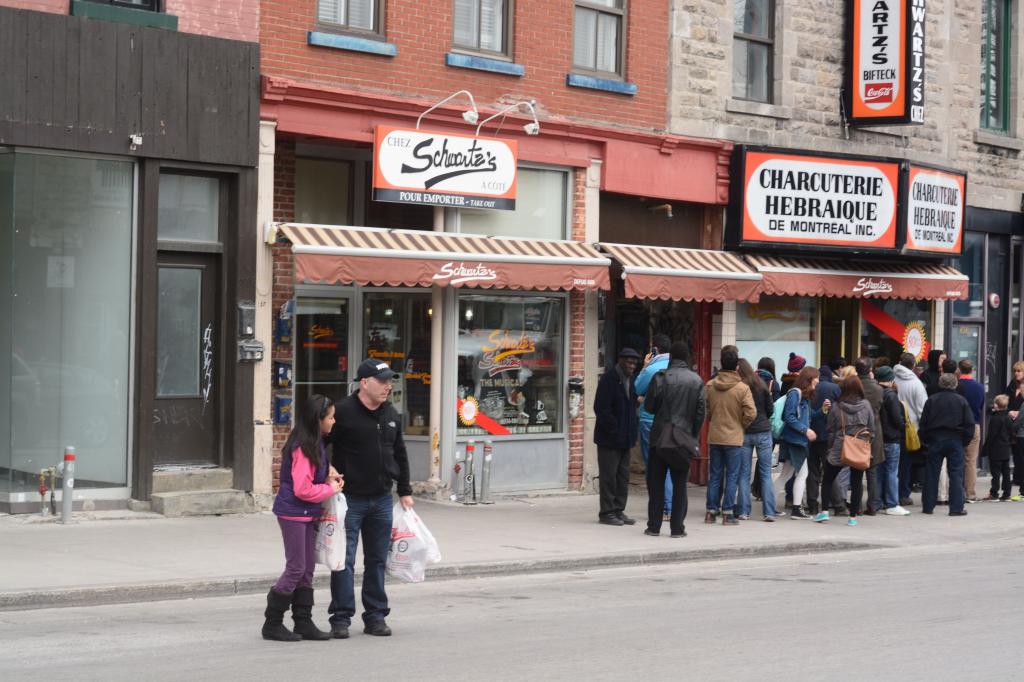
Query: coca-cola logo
{"type": "Point", "coordinates": [870, 286]}
{"type": "Point", "coordinates": [878, 92]}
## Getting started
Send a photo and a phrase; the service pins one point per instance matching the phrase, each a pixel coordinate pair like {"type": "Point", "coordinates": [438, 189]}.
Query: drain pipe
{"type": "Point", "coordinates": [67, 470]}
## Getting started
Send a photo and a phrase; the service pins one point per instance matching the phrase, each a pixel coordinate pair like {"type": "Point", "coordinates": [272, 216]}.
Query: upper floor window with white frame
{"type": "Point", "coordinates": [752, 48]}
{"type": "Point", "coordinates": [483, 26]}
{"type": "Point", "coordinates": [542, 202]}
{"type": "Point", "coordinates": [599, 36]}
{"type": "Point", "coordinates": [995, 64]}
{"type": "Point", "coordinates": [150, 5]}
{"type": "Point", "coordinates": [358, 15]}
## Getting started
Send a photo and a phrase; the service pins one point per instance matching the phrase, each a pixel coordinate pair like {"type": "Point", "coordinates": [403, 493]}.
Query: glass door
{"type": "Point", "coordinates": [322, 347]}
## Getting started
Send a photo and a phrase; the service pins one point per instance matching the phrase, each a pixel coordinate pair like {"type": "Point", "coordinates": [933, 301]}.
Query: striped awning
{"type": "Point", "coordinates": [386, 257]}
{"type": "Point", "coordinates": [859, 279]}
{"type": "Point", "coordinates": [661, 272]}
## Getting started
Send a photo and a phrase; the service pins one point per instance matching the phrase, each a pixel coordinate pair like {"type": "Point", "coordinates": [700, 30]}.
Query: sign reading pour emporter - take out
{"type": "Point", "coordinates": [443, 169]}
{"type": "Point", "coordinates": [818, 200]}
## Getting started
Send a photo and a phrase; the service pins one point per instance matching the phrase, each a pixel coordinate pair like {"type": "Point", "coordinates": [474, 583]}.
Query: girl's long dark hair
{"type": "Point", "coordinates": [306, 432]}
{"type": "Point", "coordinates": [750, 377]}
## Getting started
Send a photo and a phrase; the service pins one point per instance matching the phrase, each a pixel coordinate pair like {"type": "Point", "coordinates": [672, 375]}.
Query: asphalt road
{"type": "Point", "coordinates": [933, 613]}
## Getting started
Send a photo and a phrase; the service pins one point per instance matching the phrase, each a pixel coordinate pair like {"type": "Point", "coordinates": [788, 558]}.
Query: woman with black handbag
{"type": "Point", "coordinates": [850, 419]}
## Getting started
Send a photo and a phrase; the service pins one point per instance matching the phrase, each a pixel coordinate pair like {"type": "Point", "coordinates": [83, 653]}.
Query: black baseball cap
{"type": "Point", "coordinates": [375, 368]}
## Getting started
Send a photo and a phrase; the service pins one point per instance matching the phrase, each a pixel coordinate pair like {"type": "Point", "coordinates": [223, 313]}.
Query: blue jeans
{"type": "Point", "coordinates": [888, 476]}
{"type": "Point", "coordinates": [760, 443]}
{"type": "Point", "coordinates": [645, 450]}
{"type": "Point", "coordinates": [953, 452]}
{"type": "Point", "coordinates": [370, 516]}
{"type": "Point", "coordinates": [725, 463]}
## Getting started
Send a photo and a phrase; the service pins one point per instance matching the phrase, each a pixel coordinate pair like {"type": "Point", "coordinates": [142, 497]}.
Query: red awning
{"type": "Point", "coordinates": [822, 277]}
{"type": "Point", "coordinates": [384, 257]}
{"type": "Point", "coordinates": [660, 272]}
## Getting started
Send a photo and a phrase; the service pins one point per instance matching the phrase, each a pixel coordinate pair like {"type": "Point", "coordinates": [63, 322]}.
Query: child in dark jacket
{"type": "Point", "coordinates": [998, 448]}
{"type": "Point", "coordinates": [307, 479]}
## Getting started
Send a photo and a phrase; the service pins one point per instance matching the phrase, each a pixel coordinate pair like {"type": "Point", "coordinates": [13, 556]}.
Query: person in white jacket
{"type": "Point", "coordinates": [913, 394]}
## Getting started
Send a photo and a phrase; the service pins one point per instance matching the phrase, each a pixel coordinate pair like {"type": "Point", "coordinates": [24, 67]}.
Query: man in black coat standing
{"type": "Point", "coordinates": [946, 426]}
{"type": "Point", "coordinates": [615, 432]}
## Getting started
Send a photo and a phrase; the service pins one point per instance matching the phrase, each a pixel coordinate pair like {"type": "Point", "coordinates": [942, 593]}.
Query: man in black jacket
{"type": "Point", "coordinates": [369, 452]}
{"type": "Point", "coordinates": [675, 398]}
{"type": "Point", "coordinates": [946, 426]}
{"type": "Point", "coordinates": [615, 432]}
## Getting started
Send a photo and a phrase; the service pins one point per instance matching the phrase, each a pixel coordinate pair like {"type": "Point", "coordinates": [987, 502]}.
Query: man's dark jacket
{"type": "Point", "coordinates": [826, 390]}
{"type": "Point", "coordinates": [894, 423]}
{"type": "Point", "coordinates": [946, 416]}
{"type": "Point", "coordinates": [368, 448]}
{"type": "Point", "coordinates": [677, 395]}
{"type": "Point", "coordinates": [618, 423]}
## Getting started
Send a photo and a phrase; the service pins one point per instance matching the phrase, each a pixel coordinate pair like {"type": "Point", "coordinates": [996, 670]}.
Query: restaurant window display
{"type": "Point", "coordinates": [321, 348]}
{"type": "Point", "coordinates": [510, 355]}
{"type": "Point", "coordinates": [894, 326]}
{"type": "Point", "coordinates": [396, 327]}
{"type": "Point", "coordinates": [776, 326]}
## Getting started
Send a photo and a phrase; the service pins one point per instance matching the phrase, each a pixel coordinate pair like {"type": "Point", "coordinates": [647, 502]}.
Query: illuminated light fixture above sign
{"type": "Point", "coordinates": [532, 128]}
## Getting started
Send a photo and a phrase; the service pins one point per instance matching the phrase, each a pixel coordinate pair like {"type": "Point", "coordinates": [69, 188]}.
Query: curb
{"type": "Point", "coordinates": [225, 587]}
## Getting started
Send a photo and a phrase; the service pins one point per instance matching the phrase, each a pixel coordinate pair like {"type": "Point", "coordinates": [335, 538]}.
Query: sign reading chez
{"type": "Point", "coordinates": [801, 199]}
{"type": "Point", "coordinates": [885, 62]}
{"type": "Point", "coordinates": [934, 210]}
{"type": "Point", "coordinates": [443, 169]}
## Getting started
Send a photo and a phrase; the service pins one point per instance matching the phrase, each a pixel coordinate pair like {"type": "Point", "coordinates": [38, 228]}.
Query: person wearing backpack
{"type": "Point", "coordinates": [675, 398]}
{"type": "Point", "coordinates": [913, 394]}
{"type": "Point", "coordinates": [796, 435]}
{"type": "Point", "coordinates": [730, 410]}
{"type": "Point", "coordinates": [852, 416]}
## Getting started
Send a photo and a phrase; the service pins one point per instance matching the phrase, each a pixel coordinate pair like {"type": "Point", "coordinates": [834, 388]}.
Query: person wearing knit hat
{"type": "Point", "coordinates": [796, 363]}
{"type": "Point", "coordinates": [893, 432]}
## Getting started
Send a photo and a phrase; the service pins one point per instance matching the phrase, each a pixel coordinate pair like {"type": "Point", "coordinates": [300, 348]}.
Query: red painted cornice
{"type": "Point", "coordinates": [335, 113]}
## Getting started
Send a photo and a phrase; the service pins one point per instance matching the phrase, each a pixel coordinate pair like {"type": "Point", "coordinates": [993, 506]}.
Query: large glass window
{"type": "Point", "coordinates": [889, 327]}
{"type": "Point", "coordinates": [323, 191]}
{"type": "Point", "coordinates": [540, 211]}
{"type": "Point", "coordinates": [752, 46]}
{"type": "Point", "coordinates": [972, 264]}
{"type": "Point", "coordinates": [510, 362]}
{"type": "Point", "coordinates": [482, 25]}
{"type": "Point", "coordinates": [776, 326]}
{"type": "Point", "coordinates": [995, 56]}
{"type": "Point", "coordinates": [598, 36]}
{"type": "Point", "coordinates": [397, 331]}
{"type": "Point", "coordinates": [65, 292]}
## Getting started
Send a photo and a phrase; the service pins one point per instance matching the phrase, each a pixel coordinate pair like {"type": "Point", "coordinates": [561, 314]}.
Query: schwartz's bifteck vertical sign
{"type": "Point", "coordinates": [443, 169]}
{"type": "Point", "coordinates": [885, 62]}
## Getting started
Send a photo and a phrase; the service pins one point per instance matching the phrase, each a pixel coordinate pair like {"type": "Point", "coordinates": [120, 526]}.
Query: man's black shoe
{"type": "Point", "coordinates": [962, 512]}
{"type": "Point", "coordinates": [627, 520]}
{"type": "Point", "coordinates": [339, 631]}
{"type": "Point", "coordinates": [611, 521]}
{"type": "Point", "coordinates": [679, 535]}
{"type": "Point", "coordinates": [377, 628]}
{"type": "Point", "coordinates": [652, 533]}
{"type": "Point", "coordinates": [906, 502]}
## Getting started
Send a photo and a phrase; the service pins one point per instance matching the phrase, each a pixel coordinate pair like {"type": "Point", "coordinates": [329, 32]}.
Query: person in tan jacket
{"type": "Point", "coordinates": [730, 407]}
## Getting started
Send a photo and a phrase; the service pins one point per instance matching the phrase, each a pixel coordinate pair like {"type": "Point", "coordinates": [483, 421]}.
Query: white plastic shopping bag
{"type": "Point", "coordinates": [330, 536]}
{"type": "Point", "coordinates": [412, 546]}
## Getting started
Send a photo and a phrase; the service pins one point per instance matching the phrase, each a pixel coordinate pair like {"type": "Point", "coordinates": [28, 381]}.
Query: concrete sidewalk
{"type": "Point", "coordinates": [126, 557]}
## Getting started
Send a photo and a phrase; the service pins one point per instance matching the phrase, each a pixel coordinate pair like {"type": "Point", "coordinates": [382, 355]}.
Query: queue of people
{"type": "Point", "coordinates": [848, 438]}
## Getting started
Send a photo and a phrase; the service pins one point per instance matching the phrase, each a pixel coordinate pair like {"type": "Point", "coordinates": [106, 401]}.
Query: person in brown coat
{"type": "Point", "coordinates": [874, 394]}
{"type": "Point", "coordinates": [730, 407]}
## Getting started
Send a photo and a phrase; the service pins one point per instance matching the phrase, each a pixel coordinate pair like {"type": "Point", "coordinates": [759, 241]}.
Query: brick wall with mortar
{"type": "Point", "coordinates": [809, 72]}
{"type": "Point", "coordinates": [232, 19]}
{"type": "Point", "coordinates": [542, 44]}
{"type": "Point", "coordinates": [577, 333]}
{"type": "Point", "coordinates": [283, 270]}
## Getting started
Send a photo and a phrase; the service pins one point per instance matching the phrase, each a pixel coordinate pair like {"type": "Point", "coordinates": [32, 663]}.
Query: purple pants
{"type": "Point", "coordinates": [299, 555]}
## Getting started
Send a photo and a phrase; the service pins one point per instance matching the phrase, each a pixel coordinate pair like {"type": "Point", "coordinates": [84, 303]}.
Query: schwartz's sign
{"type": "Point", "coordinates": [442, 169]}
{"type": "Point", "coordinates": [885, 62]}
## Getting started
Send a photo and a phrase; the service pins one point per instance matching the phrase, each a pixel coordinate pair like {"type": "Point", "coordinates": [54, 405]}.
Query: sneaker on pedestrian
{"type": "Point", "coordinates": [730, 520]}
{"type": "Point", "coordinates": [679, 535]}
{"type": "Point", "coordinates": [710, 517]}
{"type": "Point", "coordinates": [896, 511]}
{"type": "Point", "coordinates": [611, 521]}
{"type": "Point", "coordinates": [992, 497]}
{"type": "Point", "coordinates": [768, 519]}
{"type": "Point", "coordinates": [626, 520]}
{"type": "Point", "coordinates": [1015, 498]}
{"type": "Point", "coordinates": [1002, 499]}
{"type": "Point", "coordinates": [971, 500]}
{"type": "Point", "coordinates": [869, 511]}
{"type": "Point", "coordinates": [377, 628]}
{"type": "Point", "coordinates": [798, 513]}
{"type": "Point", "coordinates": [821, 516]}
{"type": "Point", "coordinates": [743, 517]}
{"type": "Point", "coordinates": [906, 502]}
{"type": "Point", "coordinates": [653, 533]}
{"type": "Point", "coordinates": [851, 522]}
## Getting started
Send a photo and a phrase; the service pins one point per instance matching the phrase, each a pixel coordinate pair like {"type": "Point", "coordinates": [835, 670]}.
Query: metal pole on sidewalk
{"type": "Point", "coordinates": [485, 473]}
{"type": "Point", "coordinates": [67, 470]}
{"type": "Point", "coordinates": [469, 492]}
